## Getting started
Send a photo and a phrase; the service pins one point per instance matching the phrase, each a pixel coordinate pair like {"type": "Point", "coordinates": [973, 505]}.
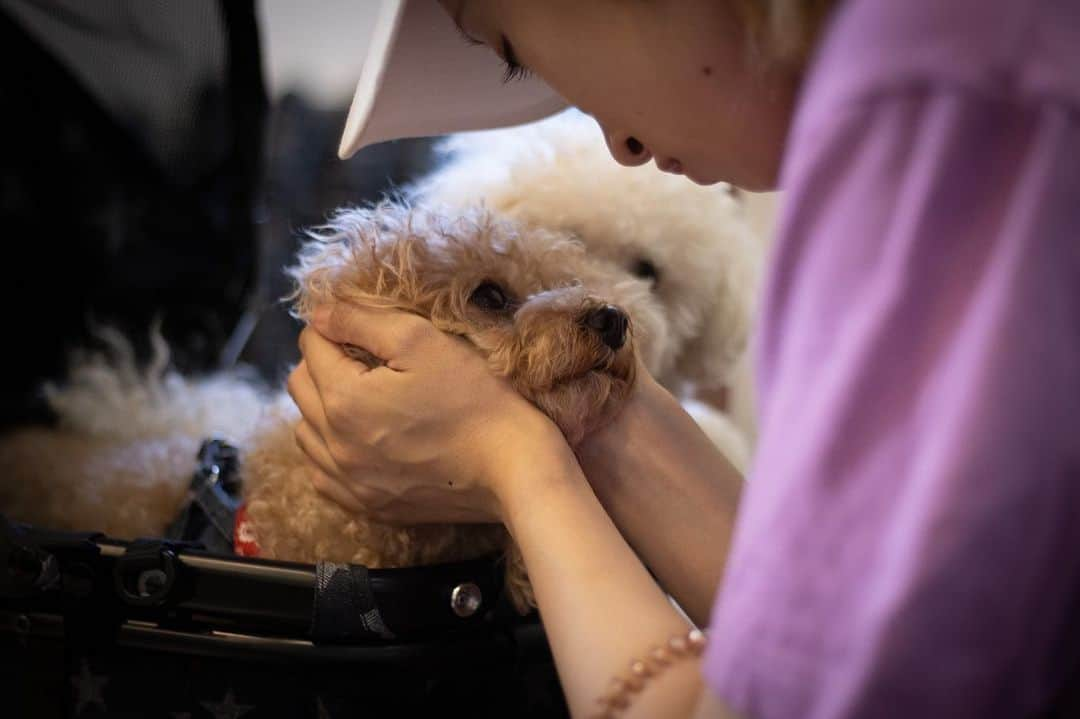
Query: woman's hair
{"type": "Point", "coordinates": [784, 31]}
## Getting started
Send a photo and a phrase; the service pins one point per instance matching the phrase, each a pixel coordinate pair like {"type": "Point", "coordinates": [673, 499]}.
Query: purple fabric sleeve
{"type": "Point", "coordinates": [909, 544]}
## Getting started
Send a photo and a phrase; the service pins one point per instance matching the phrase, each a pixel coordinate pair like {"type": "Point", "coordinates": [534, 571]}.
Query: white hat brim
{"type": "Point", "coordinates": [421, 79]}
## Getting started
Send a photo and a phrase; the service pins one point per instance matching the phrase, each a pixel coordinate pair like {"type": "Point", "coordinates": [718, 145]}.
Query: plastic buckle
{"type": "Point", "coordinates": [146, 574]}
{"type": "Point", "coordinates": [210, 513]}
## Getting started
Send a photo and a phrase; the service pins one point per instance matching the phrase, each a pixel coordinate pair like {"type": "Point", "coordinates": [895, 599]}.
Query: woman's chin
{"type": "Point", "coordinates": [749, 176]}
{"type": "Point", "coordinates": [700, 177]}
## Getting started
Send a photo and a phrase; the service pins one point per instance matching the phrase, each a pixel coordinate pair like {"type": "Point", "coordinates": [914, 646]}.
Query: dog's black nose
{"type": "Point", "coordinates": [610, 323]}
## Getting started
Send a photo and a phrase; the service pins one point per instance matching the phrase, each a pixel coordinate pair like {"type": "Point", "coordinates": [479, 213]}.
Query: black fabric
{"type": "Point", "coordinates": [232, 633]}
{"type": "Point", "coordinates": [344, 608]}
{"type": "Point", "coordinates": [125, 204]}
{"type": "Point", "coordinates": [499, 675]}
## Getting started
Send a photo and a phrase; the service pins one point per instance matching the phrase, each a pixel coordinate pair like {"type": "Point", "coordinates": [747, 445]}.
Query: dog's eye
{"type": "Point", "coordinates": [489, 296]}
{"type": "Point", "coordinates": [646, 270]}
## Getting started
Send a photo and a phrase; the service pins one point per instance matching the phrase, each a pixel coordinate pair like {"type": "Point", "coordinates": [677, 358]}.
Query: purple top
{"type": "Point", "coordinates": [909, 544]}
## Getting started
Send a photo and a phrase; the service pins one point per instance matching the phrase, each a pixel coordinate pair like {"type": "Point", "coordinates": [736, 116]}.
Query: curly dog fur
{"type": "Point", "coordinates": [391, 256]}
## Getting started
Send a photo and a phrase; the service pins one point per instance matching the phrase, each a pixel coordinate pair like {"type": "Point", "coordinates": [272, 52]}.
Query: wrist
{"type": "Point", "coordinates": [613, 451]}
{"type": "Point", "coordinates": [532, 458]}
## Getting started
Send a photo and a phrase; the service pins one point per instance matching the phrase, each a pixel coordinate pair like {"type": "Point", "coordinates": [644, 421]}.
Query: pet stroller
{"type": "Point", "coordinates": [134, 194]}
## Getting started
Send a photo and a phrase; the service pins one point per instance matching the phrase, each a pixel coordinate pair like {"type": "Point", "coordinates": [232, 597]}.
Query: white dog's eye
{"type": "Point", "coordinates": [646, 270]}
{"type": "Point", "coordinates": [489, 296]}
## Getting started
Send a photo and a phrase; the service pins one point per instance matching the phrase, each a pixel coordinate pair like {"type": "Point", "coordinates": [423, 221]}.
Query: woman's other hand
{"type": "Point", "coordinates": [670, 491]}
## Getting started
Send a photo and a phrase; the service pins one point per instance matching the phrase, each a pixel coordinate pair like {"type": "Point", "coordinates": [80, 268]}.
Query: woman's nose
{"type": "Point", "coordinates": [627, 149]}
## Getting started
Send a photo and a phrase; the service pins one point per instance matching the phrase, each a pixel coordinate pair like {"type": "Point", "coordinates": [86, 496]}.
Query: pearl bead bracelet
{"type": "Point", "coordinates": [623, 687]}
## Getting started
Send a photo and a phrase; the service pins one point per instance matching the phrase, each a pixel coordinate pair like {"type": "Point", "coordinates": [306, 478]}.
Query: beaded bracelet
{"type": "Point", "coordinates": [622, 688]}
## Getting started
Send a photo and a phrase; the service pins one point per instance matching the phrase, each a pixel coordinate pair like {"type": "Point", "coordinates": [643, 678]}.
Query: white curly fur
{"type": "Point", "coordinates": [107, 395]}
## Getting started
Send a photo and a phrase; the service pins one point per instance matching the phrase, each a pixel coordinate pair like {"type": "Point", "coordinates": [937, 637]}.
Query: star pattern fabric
{"type": "Point", "coordinates": [227, 708]}
{"type": "Point", "coordinates": [88, 689]}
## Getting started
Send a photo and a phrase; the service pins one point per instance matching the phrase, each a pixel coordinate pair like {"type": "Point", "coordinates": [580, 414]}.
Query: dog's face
{"type": "Point", "coordinates": [529, 300]}
{"type": "Point", "coordinates": [689, 246]}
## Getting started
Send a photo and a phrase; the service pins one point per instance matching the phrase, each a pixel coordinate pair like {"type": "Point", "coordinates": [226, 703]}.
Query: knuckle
{"type": "Point", "coordinates": [341, 455]}
{"type": "Point", "coordinates": [302, 437]}
{"type": "Point", "coordinates": [333, 318]}
{"type": "Point", "coordinates": [414, 332]}
{"type": "Point", "coordinates": [292, 383]}
{"type": "Point", "coordinates": [321, 482]}
{"type": "Point", "coordinates": [361, 512]}
{"type": "Point", "coordinates": [378, 438]}
{"type": "Point", "coordinates": [366, 496]}
{"type": "Point", "coordinates": [337, 407]}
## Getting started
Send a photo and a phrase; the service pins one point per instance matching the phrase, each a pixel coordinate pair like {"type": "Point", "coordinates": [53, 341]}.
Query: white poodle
{"type": "Point", "coordinates": [694, 244]}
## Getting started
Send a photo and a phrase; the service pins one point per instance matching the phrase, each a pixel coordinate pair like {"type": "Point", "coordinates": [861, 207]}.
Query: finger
{"type": "Point", "coordinates": [312, 445]}
{"type": "Point", "coordinates": [333, 490]}
{"type": "Point", "coordinates": [301, 387]}
{"type": "Point", "coordinates": [389, 334]}
{"type": "Point", "coordinates": [326, 474]}
{"type": "Point", "coordinates": [327, 364]}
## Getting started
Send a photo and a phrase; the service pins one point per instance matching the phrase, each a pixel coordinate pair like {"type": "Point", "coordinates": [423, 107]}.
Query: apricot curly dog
{"type": "Point", "coordinates": [559, 325]}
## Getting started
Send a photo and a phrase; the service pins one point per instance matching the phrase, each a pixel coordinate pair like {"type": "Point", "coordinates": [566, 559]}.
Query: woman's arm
{"type": "Point", "coordinates": [654, 468]}
{"type": "Point", "coordinates": [601, 607]}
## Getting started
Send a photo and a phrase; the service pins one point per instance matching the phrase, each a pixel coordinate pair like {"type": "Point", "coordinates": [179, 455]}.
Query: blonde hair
{"type": "Point", "coordinates": [784, 31]}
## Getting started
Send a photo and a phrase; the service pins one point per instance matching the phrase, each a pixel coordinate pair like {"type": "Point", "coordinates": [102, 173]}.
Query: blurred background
{"type": "Point", "coordinates": [160, 161]}
{"type": "Point", "coordinates": [312, 53]}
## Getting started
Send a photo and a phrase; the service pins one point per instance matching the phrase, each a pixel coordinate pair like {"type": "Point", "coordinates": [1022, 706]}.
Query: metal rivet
{"type": "Point", "coordinates": [465, 599]}
{"type": "Point", "coordinates": [150, 582]}
{"type": "Point", "coordinates": [22, 624]}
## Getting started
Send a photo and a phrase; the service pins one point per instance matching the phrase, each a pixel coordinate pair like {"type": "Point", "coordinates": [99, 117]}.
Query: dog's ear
{"type": "Point", "coordinates": [346, 258]}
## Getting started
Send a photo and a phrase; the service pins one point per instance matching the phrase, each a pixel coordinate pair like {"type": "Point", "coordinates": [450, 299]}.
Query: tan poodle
{"type": "Point", "coordinates": [695, 246]}
{"type": "Point", "coordinates": [560, 325]}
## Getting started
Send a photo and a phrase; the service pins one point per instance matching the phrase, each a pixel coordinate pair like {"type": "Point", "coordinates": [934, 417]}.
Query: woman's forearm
{"type": "Point", "coordinates": [671, 493]}
{"type": "Point", "coordinates": [600, 606]}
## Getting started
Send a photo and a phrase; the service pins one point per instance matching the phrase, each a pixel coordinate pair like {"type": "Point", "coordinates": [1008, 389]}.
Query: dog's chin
{"type": "Point", "coordinates": [581, 402]}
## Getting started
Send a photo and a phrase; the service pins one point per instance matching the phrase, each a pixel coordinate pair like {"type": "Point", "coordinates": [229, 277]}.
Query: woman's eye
{"type": "Point", "coordinates": [489, 296]}
{"type": "Point", "coordinates": [514, 69]}
{"type": "Point", "coordinates": [646, 270]}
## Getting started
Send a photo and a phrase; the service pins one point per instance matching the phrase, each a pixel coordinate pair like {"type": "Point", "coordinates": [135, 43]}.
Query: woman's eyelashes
{"type": "Point", "coordinates": [514, 69]}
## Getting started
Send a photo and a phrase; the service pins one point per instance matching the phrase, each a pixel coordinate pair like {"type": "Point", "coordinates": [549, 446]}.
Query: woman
{"type": "Point", "coordinates": [905, 546]}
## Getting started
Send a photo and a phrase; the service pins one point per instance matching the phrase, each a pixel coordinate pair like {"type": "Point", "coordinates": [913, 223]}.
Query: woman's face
{"type": "Point", "coordinates": [668, 80]}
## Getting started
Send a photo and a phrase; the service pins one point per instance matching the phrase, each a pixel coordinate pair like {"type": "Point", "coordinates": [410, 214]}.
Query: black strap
{"type": "Point", "coordinates": [344, 609]}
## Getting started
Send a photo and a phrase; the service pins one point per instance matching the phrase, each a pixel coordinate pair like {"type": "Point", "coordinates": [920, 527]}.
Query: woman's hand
{"type": "Point", "coordinates": [432, 436]}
